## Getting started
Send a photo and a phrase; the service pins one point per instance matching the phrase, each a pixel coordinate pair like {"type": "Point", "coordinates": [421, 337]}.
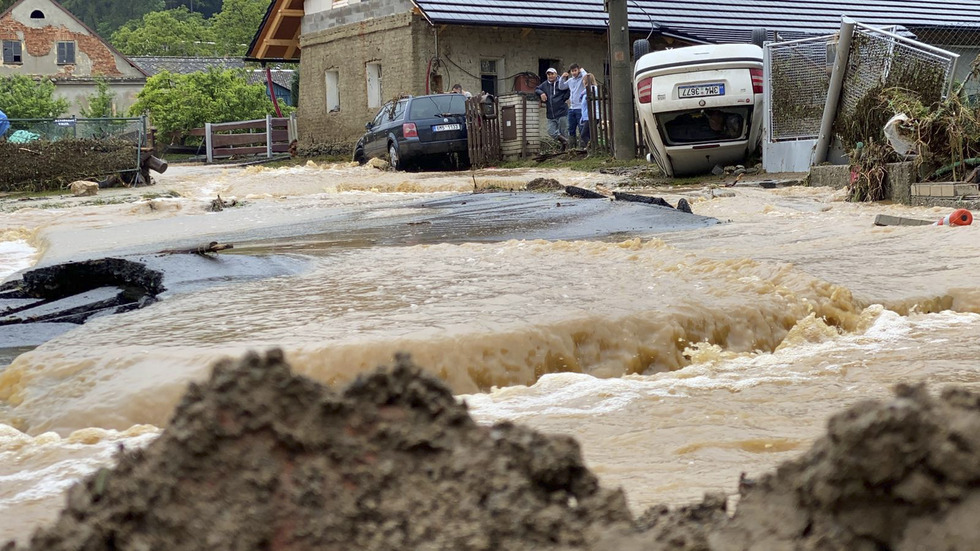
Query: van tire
{"type": "Point", "coordinates": [640, 49]}
{"type": "Point", "coordinates": [759, 36]}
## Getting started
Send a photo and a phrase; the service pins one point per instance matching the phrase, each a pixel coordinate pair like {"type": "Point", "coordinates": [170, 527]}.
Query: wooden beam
{"type": "Point", "coordinates": [279, 42]}
{"type": "Point", "coordinates": [292, 13]}
{"type": "Point", "coordinates": [524, 32]}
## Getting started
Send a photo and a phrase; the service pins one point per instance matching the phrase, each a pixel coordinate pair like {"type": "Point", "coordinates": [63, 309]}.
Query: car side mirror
{"type": "Point", "coordinates": [369, 126]}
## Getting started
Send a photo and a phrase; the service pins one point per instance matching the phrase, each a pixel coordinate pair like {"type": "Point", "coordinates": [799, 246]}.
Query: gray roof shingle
{"type": "Point", "coordinates": [710, 20]}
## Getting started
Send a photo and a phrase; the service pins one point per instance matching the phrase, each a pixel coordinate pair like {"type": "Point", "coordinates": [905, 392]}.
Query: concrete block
{"type": "Point", "coordinates": [833, 176]}
{"type": "Point", "coordinates": [961, 190]}
{"type": "Point", "coordinates": [945, 190]}
{"type": "Point", "coordinates": [900, 179]}
{"type": "Point", "coordinates": [919, 190]}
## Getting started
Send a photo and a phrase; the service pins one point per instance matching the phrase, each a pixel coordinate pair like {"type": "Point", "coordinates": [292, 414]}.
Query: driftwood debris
{"type": "Point", "coordinates": [204, 250]}
{"type": "Point", "coordinates": [583, 193]}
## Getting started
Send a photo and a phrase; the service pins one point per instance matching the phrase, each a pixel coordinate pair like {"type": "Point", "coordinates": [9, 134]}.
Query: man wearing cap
{"type": "Point", "coordinates": [556, 100]}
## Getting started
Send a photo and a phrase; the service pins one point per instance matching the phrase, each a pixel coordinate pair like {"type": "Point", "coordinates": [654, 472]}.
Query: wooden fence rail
{"type": "Point", "coordinates": [483, 131]}
{"type": "Point", "coordinates": [266, 137]}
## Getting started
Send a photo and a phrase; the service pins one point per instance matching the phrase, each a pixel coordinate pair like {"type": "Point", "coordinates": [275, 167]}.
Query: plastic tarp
{"type": "Point", "coordinates": [23, 136]}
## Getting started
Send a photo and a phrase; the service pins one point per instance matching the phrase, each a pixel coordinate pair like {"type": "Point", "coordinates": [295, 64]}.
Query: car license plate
{"type": "Point", "coordinates": [701, 90]}
{"type": "Point", "coordinates": [446, 127]}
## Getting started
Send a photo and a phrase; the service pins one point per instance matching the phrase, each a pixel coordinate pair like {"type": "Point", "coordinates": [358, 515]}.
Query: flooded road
{"type": "Point", "coordinates": [681, 352]}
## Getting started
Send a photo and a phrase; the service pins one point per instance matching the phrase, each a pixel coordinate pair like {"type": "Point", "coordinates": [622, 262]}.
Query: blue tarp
{"type": "Point", "coordinates": [4, 124]}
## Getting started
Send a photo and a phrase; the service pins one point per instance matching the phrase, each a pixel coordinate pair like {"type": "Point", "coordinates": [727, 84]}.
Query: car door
{"type": "Point", "coordinates": [374, 141]}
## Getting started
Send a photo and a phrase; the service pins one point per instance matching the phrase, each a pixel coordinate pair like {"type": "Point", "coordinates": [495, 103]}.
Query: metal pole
{"type": "Point", "coordinates": [834, 92]}
{"type": "Point", "coordinates": [207, 142]}
{"type": "Point", "coordinates": [624, 139]}
{"type": "Point", "coordinates": [268, 136]}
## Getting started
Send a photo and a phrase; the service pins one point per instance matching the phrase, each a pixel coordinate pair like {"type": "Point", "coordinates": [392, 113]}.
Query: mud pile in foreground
{"type": "Point", "coordinates": [257, 458]}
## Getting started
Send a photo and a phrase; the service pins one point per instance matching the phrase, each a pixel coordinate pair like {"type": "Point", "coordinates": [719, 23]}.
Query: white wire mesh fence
{"type": "Point", "coordinates": [799, 76]}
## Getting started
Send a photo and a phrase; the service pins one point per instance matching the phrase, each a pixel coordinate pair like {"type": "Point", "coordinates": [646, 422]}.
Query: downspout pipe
{"type": "Point", "coordinates": [272, 91]}
{"type": "Point", "coordinates": [822, 149]}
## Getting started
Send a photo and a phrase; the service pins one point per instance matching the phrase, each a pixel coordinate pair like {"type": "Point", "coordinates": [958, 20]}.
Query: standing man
{"type": "Point", "coordinates": [572, 81]}
{"type": "Point", "coordinates": [556, 100]}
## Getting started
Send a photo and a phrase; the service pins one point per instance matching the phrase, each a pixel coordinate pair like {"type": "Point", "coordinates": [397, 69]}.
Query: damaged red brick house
{"type": "Point", "coordinates": [43, 40]}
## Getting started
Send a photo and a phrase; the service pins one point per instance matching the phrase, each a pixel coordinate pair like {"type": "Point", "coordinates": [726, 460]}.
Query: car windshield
{"type": "Point", "coordinates": [430, 107]}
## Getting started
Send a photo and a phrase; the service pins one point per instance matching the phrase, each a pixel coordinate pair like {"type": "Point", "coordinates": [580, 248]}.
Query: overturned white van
{"type": "Point", "coordinates": [700, 106]}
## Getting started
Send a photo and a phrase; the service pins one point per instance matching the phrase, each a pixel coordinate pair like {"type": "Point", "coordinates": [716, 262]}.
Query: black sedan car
{"type": "Point", "coordinates": [416, 129]}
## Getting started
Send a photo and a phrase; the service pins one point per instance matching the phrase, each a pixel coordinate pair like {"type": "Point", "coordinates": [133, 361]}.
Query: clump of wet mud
{"type": "Point", "coordinates": [901, 474]}
{"type": "Point", "coordinates": [897, 475]}
{"type": "Point", "coordinates": [259, 458]}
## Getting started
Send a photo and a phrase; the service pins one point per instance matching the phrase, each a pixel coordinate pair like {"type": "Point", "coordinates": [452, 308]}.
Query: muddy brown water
{"type": "Point", "coordinates": [678, 359]}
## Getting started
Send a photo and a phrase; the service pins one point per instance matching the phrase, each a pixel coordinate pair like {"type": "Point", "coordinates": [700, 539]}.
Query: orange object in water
{"type": "Point", "coordinates": [959, 217]}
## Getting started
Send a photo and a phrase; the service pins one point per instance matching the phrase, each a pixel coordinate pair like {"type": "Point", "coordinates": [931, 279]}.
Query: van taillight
{"type": "Point", "coordinates": [409, 130]}
{"type": "Point", "coordinates": [756, 80]}
{"type": "Point", "coordinates": [644, 90]}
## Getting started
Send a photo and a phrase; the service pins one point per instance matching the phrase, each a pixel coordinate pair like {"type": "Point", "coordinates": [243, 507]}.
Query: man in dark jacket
{"type": "Point", "coordinates": [556, 100]}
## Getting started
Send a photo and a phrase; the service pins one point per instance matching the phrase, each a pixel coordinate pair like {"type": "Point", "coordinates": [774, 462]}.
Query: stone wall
{"type": "Point", "coordinates": [347, 50]}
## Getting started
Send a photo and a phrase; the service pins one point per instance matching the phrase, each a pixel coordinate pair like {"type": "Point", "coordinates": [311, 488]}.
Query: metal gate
{"type": "Point", "coordinates": [483, 131]}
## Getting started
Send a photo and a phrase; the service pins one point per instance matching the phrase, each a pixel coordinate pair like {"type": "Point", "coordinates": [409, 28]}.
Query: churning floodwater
{"type": "Point", "coordinates": [680, 351]}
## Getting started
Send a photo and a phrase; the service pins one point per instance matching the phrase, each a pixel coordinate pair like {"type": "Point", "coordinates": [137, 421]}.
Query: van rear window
{"type": "Point", "coordinates": [726, 124]}
{"type": "Point", "coordinates": [432, 107]}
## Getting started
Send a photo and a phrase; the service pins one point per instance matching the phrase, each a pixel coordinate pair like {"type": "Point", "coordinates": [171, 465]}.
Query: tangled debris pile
{"type": "Point", "coordinates": [41, 165]}
{"type": "Point", "coordinates": [258, 458]}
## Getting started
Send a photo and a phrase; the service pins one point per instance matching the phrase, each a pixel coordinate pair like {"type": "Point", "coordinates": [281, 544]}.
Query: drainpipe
{"type": "Point", "coordinates": [834, 92]}
{"type": "Point", "coordinates": [272, 90]}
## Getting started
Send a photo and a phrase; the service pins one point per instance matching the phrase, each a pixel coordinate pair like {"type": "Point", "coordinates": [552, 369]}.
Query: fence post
{"type": "Point", "coordinates": [293, 129]}
{"type": "Point", "coordinates": [207, 142]}
{"type": "Point", "coordinates": [268, 136]}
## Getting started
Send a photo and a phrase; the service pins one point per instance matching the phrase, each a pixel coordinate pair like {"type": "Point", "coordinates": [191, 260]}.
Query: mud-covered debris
{"type": "Point", "coordinates": [544, 184]}
{"type": "Point", "coordinates": [83, 188]}
{"type": "Point", "coordinates": [646, 199]}
{"type": "Point", "coordinates": [583, 193]}
{"type": "Point", "coordinates": [684, 206]}
{"type": "Point", "coordinates": [259, 458]}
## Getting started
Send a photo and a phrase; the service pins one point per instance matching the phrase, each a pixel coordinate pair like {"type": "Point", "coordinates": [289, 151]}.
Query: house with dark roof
{"type": "Point", "coordinates": [282, 79]}
{"type": "Point", "coordinates": [356, 54]}
{"type": "Point", "coordinates": [43, 40]}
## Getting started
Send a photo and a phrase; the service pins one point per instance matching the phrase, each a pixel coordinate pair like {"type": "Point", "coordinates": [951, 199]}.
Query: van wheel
{"type": "Point", "coordinates": [393, 158]}
{"type": "Point", "coordinates": [759, 36]}
{"type": "Point", "coordinates": [359, 157]}
{"type": "Point", "coordinates": [640, 49]}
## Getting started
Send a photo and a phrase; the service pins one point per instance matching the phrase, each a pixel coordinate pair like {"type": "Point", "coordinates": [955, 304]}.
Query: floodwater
{"type": "Point", "coordinates": [680, 352]}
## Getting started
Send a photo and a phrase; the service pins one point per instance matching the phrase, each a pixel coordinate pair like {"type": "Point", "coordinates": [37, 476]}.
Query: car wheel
{"type": "Point", "coordinates": [393, 158]}
{"type": "Point", "coordinates": [359, 157]}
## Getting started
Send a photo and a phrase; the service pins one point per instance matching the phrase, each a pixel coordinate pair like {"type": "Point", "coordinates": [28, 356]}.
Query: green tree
{"type": "Point", "coordinates": [100, 103]}
{"type": "Point", "coordinates": [179, 103]}
{"type": "Point", "coordinates": [176, 32]}
{"type": "Point", "coordinates": [22, 97]}
{"type": "Point", "coordinates": [236, 23]}
{"type": "Point", "coordinates": [107, 16]}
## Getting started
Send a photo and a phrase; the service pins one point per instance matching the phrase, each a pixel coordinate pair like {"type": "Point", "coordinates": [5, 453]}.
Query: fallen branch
{"type": "Point", "coordinates": [204, 250]}
{"type": "Point", "coordinates": [583, 193]}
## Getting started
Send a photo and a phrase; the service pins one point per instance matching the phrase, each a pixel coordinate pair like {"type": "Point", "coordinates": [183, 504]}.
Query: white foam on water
{"type": "Point", "coordinates": [15, 256]}
{"type": "Point", "coordinates": [571, 394]}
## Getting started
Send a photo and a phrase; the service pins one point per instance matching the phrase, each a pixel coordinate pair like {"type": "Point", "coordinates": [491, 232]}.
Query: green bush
{"type": "Point", "coordinates": [179, 103]}
{"type": "Point", "coordinates": [22, 97]}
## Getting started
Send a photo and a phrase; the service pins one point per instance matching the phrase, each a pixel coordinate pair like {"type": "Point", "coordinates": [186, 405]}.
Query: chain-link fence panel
{"type": "Point", "coordinates": [879, 60]}
{"type": "Point", "coordinates": [799, 76]}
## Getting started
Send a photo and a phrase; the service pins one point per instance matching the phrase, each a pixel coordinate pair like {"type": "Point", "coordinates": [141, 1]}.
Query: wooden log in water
{"type": "Point", "coordinates": [583, 193]}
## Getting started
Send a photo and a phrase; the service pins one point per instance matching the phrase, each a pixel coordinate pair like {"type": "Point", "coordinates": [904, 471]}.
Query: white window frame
{"type": "Point", "coordinates": [374, 76]}
{"type": "Point", "coordinates": [332, 81]}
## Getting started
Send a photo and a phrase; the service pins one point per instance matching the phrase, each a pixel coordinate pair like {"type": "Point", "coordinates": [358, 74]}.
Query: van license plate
{"type": "Point", "coordinates": [446, 127]}
{"type": "Point", "coordinates": [701, 90]}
